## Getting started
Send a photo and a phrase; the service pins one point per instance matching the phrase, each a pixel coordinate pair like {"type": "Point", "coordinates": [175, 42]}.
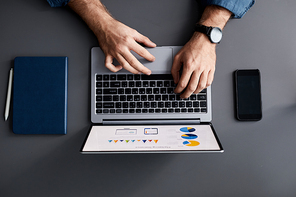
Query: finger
{"type": "Point", "coordinates": [142, 52]}
{"type": "Point", "coordinates": [145, 40]}
{"type": "Point", "coordinates": [122, 61]}
{"type": "Point", "coordinates": [191, 87]}
{"type": "Point", "coordinates": [176, 69]}
{"type": "Point", "coordinates": [109, 64]}
{"type": "Point", "coordinates": [182, 84]}
{"type": "Point", "coordinates": [135, 64]}
{"type": "Point", "coordinates": [202, 82]}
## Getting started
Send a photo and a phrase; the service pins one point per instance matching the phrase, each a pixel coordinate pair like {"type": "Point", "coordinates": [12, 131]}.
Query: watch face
{"type": "Point", "coordinates": [216, 35]}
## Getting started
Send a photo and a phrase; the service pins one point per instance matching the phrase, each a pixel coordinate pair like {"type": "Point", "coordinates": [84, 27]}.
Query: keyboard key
{"type": "Point", "coordinates": [125, 111]}
{"type": "Point", "coordinates": [131, 84]}
{"type": "Point", "coordinates": [167, 84]}
{"type": "Point", "coordinates": [105, 77]}
{"type": "Point", "coordinates": [134, 90]}
{"type": "Point", "coordinates": [190, 110]}
{"type": "Point", "coordinates": [120, 91]}
{"type": "Point", "coordinates": [177, 110]}
{"type": "Point", "coordinates": [99, 105]}
{"type": "Point", "coordinates": [115, 98]}
{"type": "Point", "coordinates": [125, 105]}
{"type": "Point", "coordinates": [164, 110]}
{"type": "Point", "coordinates": [112, 111]}
{"type": "Point", "coordinates": [128, 91]}
{"type": "Point", "coordinates": [146, 104]}
{"type": "Point", "coordinates": [99, 111]}
{"type": "Point", "coordinates": [107, 98]}
{"type": "Point", "coordinates": [170, 110]}
{"type": "Point", "coordinates": [124, 84]}
{"type": "Point", "coordinates": [105, 84]}
{"type": "Point", "coordinates": [137, 77]}
{"type": "Point", "coordinates": [183, 110]}
{"type": "Point", "coordinates": [99, 91]}
{"type": "Point", "coordinates": [131, 111]}
{"type": "Point", "coordinates": [108, 105]}
{"type": "Point", "coordinates": [160, 104]}
{"type": "Point", "coordinates": [137, 98]}
{"type": "Point", "coordinates": [203, 110]}
{"type": "Point", "coordinates": [143, 97]}
{"type": "Point", "coordinates": [139, 105]}
{"type": "Point", "coordinates": [172, 97]}
{"type": "Point", "coordinates": [168, 104]}
{"type": "Point", "coordinates": [110, 91]}
{"type": "Point", "coordinates": [159, 84]}
{"type": "Point", "coordinates": [149, 91]}
{"type": "Point", "coordinates": [158, 97]}
{"type": "Point", "coordinates": [129, 98]}
{"type": "Point", "coordinates": [157, 77]}
{"type": "Point", "coordinates": [122, 98]}
{"type": "Point", "coordinates": [151, 110]}
{"type": "Point", "coordinates": [188, 104]}
{"type": "Point", "coordinates": [156, 90]}
{"type": "Point", "coordinates": [130, 77]}
{"type": "Point", "coordinates": [145, 83]}
{"type": "Point", "coordinates": [196, 110]}
{"type": "Point", "coordinates": [195, 104]}
{"type": "Point", "coordinates": [175, 104]}
{"type": "Point", "coordinates": [132, 104]}
{"type": "Point", "coordinates": [115, 84]}
{"type": "Point", "coordinates": [144, 110]}
{"type": "Point", "coordinates": [152, 83]}
{"type": "Point", "coordinates": [138, 110]}
{"type": "Point", "coordinates": [153, 104]}
{"type": "Point", "coordinates": [163, 90]}
{"type": "Point", "coordinates": [138, 84]}
{"type": "Point", "coordinates": [193, 97]}
{"type": "Point", "coordinates": [204, 91]}
{"type": "Point", "coordinates": [157, 110]}
{"type": "Point", "coordinates": [165, 97]}
{"type": "Point", "coordinates": [99, 77]}
{"type": "Point", "coordinates": [112, 77]}
{"type": "Point", "coordinates": [106, 111]}
{"type": "Point", "coordinates": [99, 84]}
{"type": "Point", "coordinates": [203, 104]}
{"type": "Point", "coordinates": [118, 111]}
{"type": "Point", "coordinates": [99, 98]}
{"type": "Point", "coordinates": [201, 97]}
{"type": "Point", "coordinates": [170, 90]}
{"type": "Point", "coordinates": [121, 77]}
{"type": "Point", "coordinates": [141, 90]}
{"type": "Point", "coordinates": [181, 104]}
{"type": "Point", "coordinates": [150, 97]}
{"type": "Point", "coordinates": [118, 104]}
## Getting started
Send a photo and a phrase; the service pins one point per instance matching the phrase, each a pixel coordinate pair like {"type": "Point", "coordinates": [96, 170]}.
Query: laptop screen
{"type": "Point", "coordinates": [152, 138]}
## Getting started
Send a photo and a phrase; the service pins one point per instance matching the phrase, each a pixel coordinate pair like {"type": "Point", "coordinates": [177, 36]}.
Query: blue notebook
{"type": "Point", "coordinates": [40, 95]}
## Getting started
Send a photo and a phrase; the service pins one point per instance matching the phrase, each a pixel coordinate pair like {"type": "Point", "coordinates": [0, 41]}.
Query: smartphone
{"type": "Point", "coordinates": [248, 94]}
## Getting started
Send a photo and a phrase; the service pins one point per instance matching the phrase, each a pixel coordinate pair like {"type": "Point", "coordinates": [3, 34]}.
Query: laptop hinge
{"type": "Point", "coordinates": [153, 121]}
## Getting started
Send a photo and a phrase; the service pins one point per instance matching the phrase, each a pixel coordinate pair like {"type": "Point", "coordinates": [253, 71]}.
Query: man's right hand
{"type": "Point", "coordinates": [115, 39]}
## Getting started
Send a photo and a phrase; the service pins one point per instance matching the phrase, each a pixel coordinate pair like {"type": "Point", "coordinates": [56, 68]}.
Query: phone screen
{"type": "Point", "coordinates": [248, 95]}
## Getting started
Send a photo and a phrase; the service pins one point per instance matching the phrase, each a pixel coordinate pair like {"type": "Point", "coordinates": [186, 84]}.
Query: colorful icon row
{"type": "Point", "coordinates": [127, 141]}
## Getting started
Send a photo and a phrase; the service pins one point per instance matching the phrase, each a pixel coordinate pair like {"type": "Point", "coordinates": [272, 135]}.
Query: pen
{"type": "Point", "coordinates": [8, 94]}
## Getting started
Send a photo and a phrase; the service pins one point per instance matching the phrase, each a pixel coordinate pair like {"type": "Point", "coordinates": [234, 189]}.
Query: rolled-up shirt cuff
{"type": "Point", "coordinates": [58, 3]}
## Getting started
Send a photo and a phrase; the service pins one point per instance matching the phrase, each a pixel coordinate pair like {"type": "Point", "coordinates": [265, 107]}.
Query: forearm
{"type": "Point", "coordinates": [215, 16]}
{"type": "Point", "coordinates": [90, 11]}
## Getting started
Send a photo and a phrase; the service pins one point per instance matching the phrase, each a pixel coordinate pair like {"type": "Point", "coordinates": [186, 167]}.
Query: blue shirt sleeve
{"type": "Point", "coordinates": [237, 7]}
{"type": "Point", "coordinates": [57, 3]}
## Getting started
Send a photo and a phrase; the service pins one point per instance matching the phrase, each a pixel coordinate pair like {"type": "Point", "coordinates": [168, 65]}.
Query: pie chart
{"type": "Point", "coordinates": [191, 143]}
{"type": "Point", "coordinates": [187, 129]}
{"type": "Point", "coordinates": [189, 136]}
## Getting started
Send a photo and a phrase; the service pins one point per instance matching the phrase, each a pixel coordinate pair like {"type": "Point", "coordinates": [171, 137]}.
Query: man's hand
{"type": "Point", "coordinates": [115, 39]}
{"type": "Point", "coordinates": [198, 56]}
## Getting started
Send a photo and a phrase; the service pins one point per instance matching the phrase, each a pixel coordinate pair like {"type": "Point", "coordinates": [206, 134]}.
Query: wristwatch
{"type": "Point", "coordinates": [213, 33]}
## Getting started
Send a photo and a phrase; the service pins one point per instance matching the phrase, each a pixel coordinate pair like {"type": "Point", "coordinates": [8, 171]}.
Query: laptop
{"type": "Point", "coordinates": [141, 114]}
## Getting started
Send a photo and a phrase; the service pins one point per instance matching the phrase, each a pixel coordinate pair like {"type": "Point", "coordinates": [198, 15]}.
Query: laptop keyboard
{"type": "Point", "coordinates": [128, 93]}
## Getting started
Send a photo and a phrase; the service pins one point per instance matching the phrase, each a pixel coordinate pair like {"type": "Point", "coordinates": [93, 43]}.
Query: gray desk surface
{"type": "Point", "coordinates": [259, 158]}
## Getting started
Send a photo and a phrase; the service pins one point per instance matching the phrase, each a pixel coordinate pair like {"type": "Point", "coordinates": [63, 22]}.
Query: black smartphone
{"type": "Point", "coordinates": [248, 94]}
